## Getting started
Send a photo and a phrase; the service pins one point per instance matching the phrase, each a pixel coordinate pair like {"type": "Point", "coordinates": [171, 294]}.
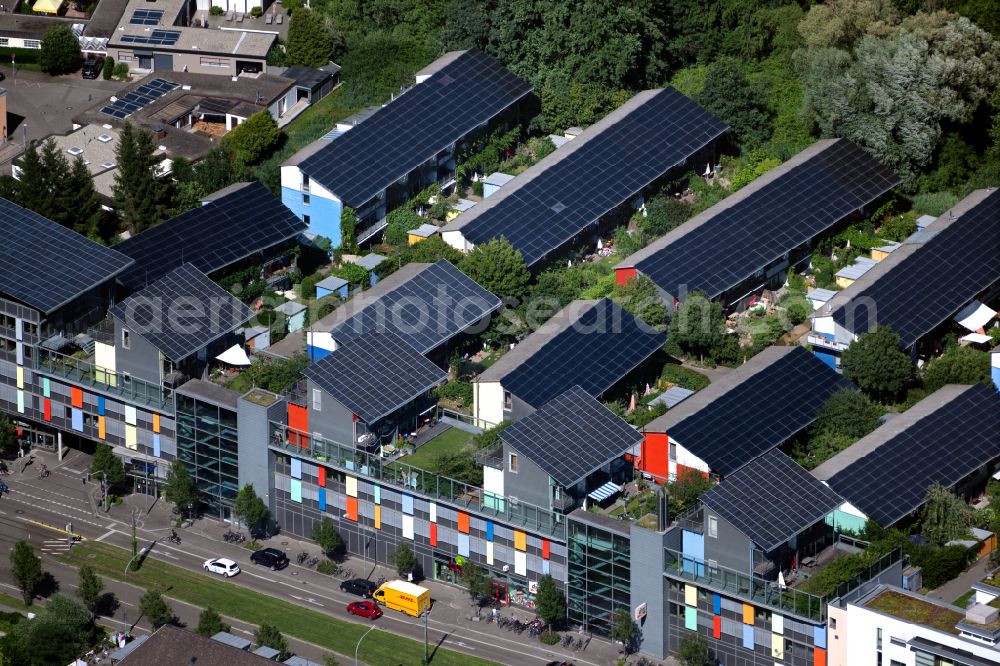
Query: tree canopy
{"type": "Point", "coordinates": [325, 534]}
{"type": "Point", "coordinates": [698, 326]}
{"type": "Point", "coordinates": [498, 268]}
{"type": "Point", "coordinates": [729, 95]}
{"type": "Point", "coordinates": [210, 623]}
{"type": "Point", "coordinates": [312, 40]}
{"type": "Point", "coordinates": [60, 51]}
{"type": "Point", "coordinates": [254, 138]}
{"type": "Point", "coordinates": [155, 609]}
{"type": "Point", "coordinates": [180, 488]}
{"type": "Point", "coordinates": [25, 569]}
{"type": "Point", "coordinates": [106, 464]}
{"type": "Point", "coordinates": [54, 188]}
{"type": "Point", "coordinates": [945, 515]}
{"type": "Point", "coordinates": [141, 197]}
{"type": "Point", "coordinates": [876, 365]}
{"type": "Point", "coordinates": [250, 508]}
{"type": "Point", "coordinates": [957, 365]}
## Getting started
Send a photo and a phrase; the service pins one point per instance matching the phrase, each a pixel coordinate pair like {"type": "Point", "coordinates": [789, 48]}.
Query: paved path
{"type": "Point", "coordinates": [958, 586]}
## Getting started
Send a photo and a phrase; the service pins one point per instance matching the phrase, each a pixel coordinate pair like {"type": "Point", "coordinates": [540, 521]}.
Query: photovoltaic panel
{"type": "Point", "coordinates": [595, 350]}
{"type": "Point", "coordinates": [376, 374]}
{"type": "Point", "coordinates": [427, 310]}
{"type": "Point", "coordinates": [771, 499]}
{"type": "Point", "coordinates": [779, 213]}
{"type": "Point", "coordinates": [157, 38]}
{"type": "Point", "coordinates": [211, 237]}
{"type": "Point", "coordinates": [46, 265]}
{"type": "Point", "coordinates": [146, 17]}
{"type": "Point", "coordinates": [571, 436]}
{"type": "Point", "coordinates": [932, 284]}
{"type": "Point", "coordinates": [944, 447]}
{"type": "Point", "coordinates": [761, 405]}
{"type": "Point", "coordinates": [568, 192]}
{"type": "Point", "coordinates": [210, 312]}
{"type": "Point", "coordinates": [137, 99]}
{"type": "Point", "coordinates": [426, 119]}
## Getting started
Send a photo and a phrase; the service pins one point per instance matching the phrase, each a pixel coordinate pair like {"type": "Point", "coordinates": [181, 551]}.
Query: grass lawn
{"type": "Point", "coordinates": [963, 601]}
{"type": "Point", "coordinates": [451, 440]}
{"type": "Point", "coordinates": [380, 648]}
{"type": "Point", "coordinates": [13, 602]}
{"type": "Point", "coordinates": [915, 610]}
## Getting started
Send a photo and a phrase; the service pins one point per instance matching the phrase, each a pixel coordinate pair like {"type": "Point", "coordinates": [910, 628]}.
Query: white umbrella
{"type": "Point", "coordinates": [781, 581]}
{"type": "Point", "coordinates": [235, 355]}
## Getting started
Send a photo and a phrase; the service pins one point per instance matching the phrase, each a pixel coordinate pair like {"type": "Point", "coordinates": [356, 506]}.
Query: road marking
{"type": "Point", "coordinates": [52, 527]}
{"type": "Point", "coordinates": [310, 600]}
{"type": "Point", "coordinates": [106, 535]}
{"type": "Point", "coordinates": [250, 573]}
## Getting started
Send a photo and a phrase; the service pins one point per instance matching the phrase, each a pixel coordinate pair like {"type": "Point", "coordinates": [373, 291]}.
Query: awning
{"type": "Point", "coordinates": [47, 6]}
{"type": "Point", "coordinates": [974, 316]}
{"type": "Point", "coordinates": [976, 338]}
{"type": "Point", "coordinates": [606, 491]}
{"type": "Point", "coordinates": [234, 356]}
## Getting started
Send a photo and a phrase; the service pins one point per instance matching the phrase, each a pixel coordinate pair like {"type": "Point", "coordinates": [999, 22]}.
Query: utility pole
{"type": "Point", "coordinates": [427, 614]}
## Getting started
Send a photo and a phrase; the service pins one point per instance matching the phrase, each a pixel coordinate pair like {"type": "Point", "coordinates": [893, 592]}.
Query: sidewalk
{"type": "Point", "coordinates": [961, 584]}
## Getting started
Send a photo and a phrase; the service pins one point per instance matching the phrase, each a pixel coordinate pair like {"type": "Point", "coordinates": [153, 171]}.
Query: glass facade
{"type": "Point", "coordinates": [599, 573]}
{"type": "Point", "coordinates": [207, 443]}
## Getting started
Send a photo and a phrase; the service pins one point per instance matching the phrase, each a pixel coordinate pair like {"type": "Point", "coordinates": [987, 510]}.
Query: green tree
{"type": "Point", "coordinates": [26, 569]}
{"type": "Point", "coordinates": [498, 268]}
{"type": "Point", "coordinates": [269, 635]}
{"type": "Point", "coordinates": [624, 630]}
{"type": "Point", "coordinates": [847, 413]}
{"type": "Point", "coordinates": [220, 169]}
{"type": "Point", "coordinates": [400, 221]}
{"type": "Point", "coordinates": [640, 298]}
{"type": "Point", "coordinates": [250, 509]}
{"type": "Point", "coordinates": [8, 436]}
{"type": "Point", "coordinates": [85, 200]}
{"type": "Point", "coordinates": [141, 197]}
{"type": "Point", "coordinates": [348, 229]}
{"type": "Point", "coordinates": [60, 51]}
{"type": "Point", "coordinates": [109, 68]}
{"type": "Point", "coordinates": [179, 487]}
{"type": "Point", "coordinates": [312, 40]}
{"type": "Point", "coordinates": [210, 623]}
{"type": "Point", "coordinates": [698, 326]}
{"type": "Point", "coordinates": [876, 365]}
{"type": "Point", "coordinates": [106, 464]}
{"type": "Point", "coordinates": [60, 633]}
{"type": "Point", "coordinates": [326, 535]}
{"type": "Point", "coordinates": [254, 138]}
{"type": "Point", "coordinates": [476, 582]}
{"type": "Point", "coordinates": [687, 488]}
{"type": "Point", "coordinates": [550, 604]}
{"type": "Point", "coordinates": [693, 650]}
{"type": "Point", "coordinates": [467, 25]}
{"type": "Point", "coordinates": [957, 365]}
{"type": "Point", "coordinates": [90, 588]}
{"type": "Point", "coordinates": [729, 95]}
{"type": "Point", "coordinates": [155, 609]}
{"type": "Point", "coordinates": [31, 190]}
{"type": "Point", "coordinates": [404, 559]}
{"type": "Point", "coordinates": [945, 516]}
{"type": "Point", "coordinates": [430, 251]}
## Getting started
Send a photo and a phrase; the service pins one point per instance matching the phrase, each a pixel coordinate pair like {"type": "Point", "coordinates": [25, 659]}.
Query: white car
{"type": "Point", "coordinates": [221, 565]}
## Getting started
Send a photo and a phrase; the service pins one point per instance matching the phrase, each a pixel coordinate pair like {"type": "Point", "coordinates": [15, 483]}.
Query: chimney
{"type": "Point", "coordinates": [159, 133]}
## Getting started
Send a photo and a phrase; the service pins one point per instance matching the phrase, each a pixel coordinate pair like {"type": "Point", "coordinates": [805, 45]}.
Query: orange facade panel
{"type": "Point", "coordinates": [76, 397]}
{"type": "Point", "coordinates": [352, 508]}
{"type": "Point", "coordinates": [298, 419]}
{"type": "Point", "coordinates": [463, 522]}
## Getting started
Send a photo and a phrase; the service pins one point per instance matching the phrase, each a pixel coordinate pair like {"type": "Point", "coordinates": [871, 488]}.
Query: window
{"type": "Point", "coordinates": [893, 662]}
{"type": "Point", "coordinates": [672, 452]}
{"type": "Point", "coordinates": [305, 199]}
{"type": "Point", "coordinates": [897, 642]}
{"type": "Point", "coordinates": [305, 183]}
{"type": "Point", "coordinates": [508, 400]}
{"type": "Point", "coordinates": [878, 638]}
{"type": "Point", "coordinates": [305, 218]}
{"type": "Point", "coordinates": [126, 339]}
{"type": "Point", "coordinates": [833, 623]}
{"type": "Point", "coordinates": [317, 400]}
{"type": "Point", "coordinates": [32, 44]}
{"type": "Point", "coordinates": [512, 463]}
{"type": "Point", "coordinates": [126, 379]}
{"type": "Point", "coordinates": [214, 62]}
{"type": "Point", "coordinates": [713, 527]}
{"type": "Point", "coordinates": [4, 41]}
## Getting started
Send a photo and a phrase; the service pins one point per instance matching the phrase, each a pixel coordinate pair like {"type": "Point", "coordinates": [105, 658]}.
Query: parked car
{"type": "Point", "coordinates": [92, 68]}
{"type": "Point", "coordinates": [223, 566]}
{"type": "Point", "coordinates": [359, 587]}
{"type": "Point", "coordinates": [367, 609]}
{"type": "Point", "coordinates": [270, 557]}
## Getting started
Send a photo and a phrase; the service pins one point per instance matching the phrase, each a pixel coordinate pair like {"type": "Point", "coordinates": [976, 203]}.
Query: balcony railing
{"type": "Point", "coordinates": [825, 342]}
{"type": "Point", "coordinates": [414, 480]}
{"type": "Point", "coordinates": [82, 371]}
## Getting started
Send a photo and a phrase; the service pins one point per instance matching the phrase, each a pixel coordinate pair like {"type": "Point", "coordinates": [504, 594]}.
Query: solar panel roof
{"type": "Point", "coordinates": [549, 205]}
{"type": "Point", "coordinates": [142, 96]}
{"type": "Point", "coordinates": [436, 303]}
{"type": "Point", "coordinates": [779, 212]}
{"type": "Point", "coordinates": [932, 284]}
{"type": "Point", "coordinates": [156, 37]}
{"type": "Point", "coordinates": [146, 17]}
{"type": "Point", "coordinates": [181, 312]}
{"type": "Point", "coordinates": [593, 344]}
{"type": "Point", "coordinates": [571, 436]}
{"type": "Point", "coordinates": [429, 117]}
{"type": "Point", "coordinates": [942, 441]}
{"type": "Point", "coordinates": [771, 499]}
{"type": "Point", "coordinates": [211, 237]}
{"type": "Point", "coordinates": [375, 374]}
{"type": "Point", "coordinates": [755, 407]}
{"type": "Point", "coordinates": [72, 263]}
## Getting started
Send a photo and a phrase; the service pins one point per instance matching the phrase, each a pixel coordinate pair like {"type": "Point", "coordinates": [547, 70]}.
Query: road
{"type": "Point", "coordinates": [62, 498]}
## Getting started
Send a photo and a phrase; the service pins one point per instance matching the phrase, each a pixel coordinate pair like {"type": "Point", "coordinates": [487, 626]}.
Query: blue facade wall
{"type": "Point", "coordinates": [996, 377]}
{"type": "Point", "coordinates": [324, 214]}
{"type": "Point", "coordinates": [828, 358]}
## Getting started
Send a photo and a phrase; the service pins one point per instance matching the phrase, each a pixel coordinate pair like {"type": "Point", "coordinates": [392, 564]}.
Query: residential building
{"type": "Point", "coordinates": [947, 271]}
{"type": "Point", "coordinates": [172, 645]}
{"type": "Point", "coordinates": [716, 431]}
{"type": "Point", "coordinates": [591, 343]}
{"type": "Point", "coordinates": [957, 426]}
{"type": "Point", "coordinates": [311, 83]}
{"type": "Point", "coordinates": [594, 183]}
{"type": "Point", "coordinates": [775, 221]}
{"type": "Point", "coordinates": [995, 366]}
{"type": "Point", "coordinates": [412, 142]}
{"type": "Point", "coordinates": [96, 145]}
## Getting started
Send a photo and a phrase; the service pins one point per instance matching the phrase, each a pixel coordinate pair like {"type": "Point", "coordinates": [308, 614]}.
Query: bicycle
{"type": "Point", "coordinates": [313, 561]}
{"type": "Point", "coordinates": [302, 557]}
{"type": "Point", "coordinates": [567, 641]}
{"type": "Point", "coordinates": [579, 645]}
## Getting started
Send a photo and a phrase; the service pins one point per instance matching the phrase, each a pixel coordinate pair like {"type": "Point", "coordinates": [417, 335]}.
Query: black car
{"type": "Point", "coordinates": [92, 68]}
{"type": "Point", "coordinates": [270, 557]}
{"type": "Point", "coordinates": [359, 586]}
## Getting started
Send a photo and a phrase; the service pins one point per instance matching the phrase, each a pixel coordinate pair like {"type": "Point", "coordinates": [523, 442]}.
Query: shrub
{"type": "Point", "coordinates": [326, 567]}
{"type": "Point", "coordinates": [683, 377]}
{"type": "Point", "coordinates": [549, 638]}
{"type": "Point", "coordinates": [121, 71]}
{"type": "Point", "coordinates": [109, 68]}
{"type": "Point", "coordinates": [217, 11]}
{"type": "Point", "coordinates": [477, 188]}
{"type": "Point", "coordinates": [256, 12]}
{"type": "Point", "coordinates": [934, 203]}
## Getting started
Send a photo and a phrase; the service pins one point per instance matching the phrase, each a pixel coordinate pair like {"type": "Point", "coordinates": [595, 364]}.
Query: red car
{"type": "Point", "coordinates": [368, 609]}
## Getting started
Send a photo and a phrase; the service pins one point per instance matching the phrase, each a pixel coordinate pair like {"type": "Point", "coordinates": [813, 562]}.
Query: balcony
{"type": "Point", "coordinates": [825, 342]}
{"type": "Point", "coordinates": [83, 371]}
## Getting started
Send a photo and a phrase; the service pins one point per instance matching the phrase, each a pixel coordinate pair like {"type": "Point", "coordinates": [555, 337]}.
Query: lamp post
{"type": "Point", "coordinates": [427, 614]}
{"type": "Point", "coordinates": [357, 648]}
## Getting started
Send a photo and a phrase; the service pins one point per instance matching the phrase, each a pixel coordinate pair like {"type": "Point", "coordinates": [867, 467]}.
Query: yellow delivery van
{"type": "Point", "coordinates": [402, 596]}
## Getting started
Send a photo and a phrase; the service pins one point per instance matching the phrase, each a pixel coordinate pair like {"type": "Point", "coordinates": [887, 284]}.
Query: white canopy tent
{"type": "Point", "coordinates": [235, 355]}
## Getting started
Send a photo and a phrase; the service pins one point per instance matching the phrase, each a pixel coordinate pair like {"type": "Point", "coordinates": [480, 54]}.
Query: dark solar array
{"type": "Point", "coordinates": [760, 413]}
{"type": "Point", "coordinates": [211, 237]}
{"type": "Point", "coordinates": [146, 17]}
{"type": "Point", "coordinates": [45, 265]}
{"type": "Point", "coordinates": [156, 38]}
{"type": "Point", "coordinates": [933, 283]}
{"type": "Point", "coordinates": [182, 312]}
{"type": "Point", "coordinates": [943, 447]}
{"type": "Point", "coordinates": [414, 127]}
{"type": "Point", "coordinates": [781, 216]}
{"type": "Point", "coordinates": [572, 194]}
{"type": "Point", "coordinates": [427, 310]}
{"type": "Point", "coordinates": [771, 499]}
{"type": "Point", "coordinates": [571, 436]}
{"type": "Point", "coordinates": [598, 350]}
{"type": "Point", "coordinates": [144, 95]}
{"type": "Point", "coordinates": [376, 374]}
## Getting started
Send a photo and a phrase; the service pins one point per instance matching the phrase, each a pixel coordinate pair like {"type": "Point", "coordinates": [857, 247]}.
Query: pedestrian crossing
{"type": "Point", "coordinates": [55, 546]}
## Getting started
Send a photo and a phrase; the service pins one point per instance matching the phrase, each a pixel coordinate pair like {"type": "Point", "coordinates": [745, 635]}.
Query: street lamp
{"type": "Point", "coordinates": [358, 646]}
{"type": "Point", "coordinates": [427, 614]}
